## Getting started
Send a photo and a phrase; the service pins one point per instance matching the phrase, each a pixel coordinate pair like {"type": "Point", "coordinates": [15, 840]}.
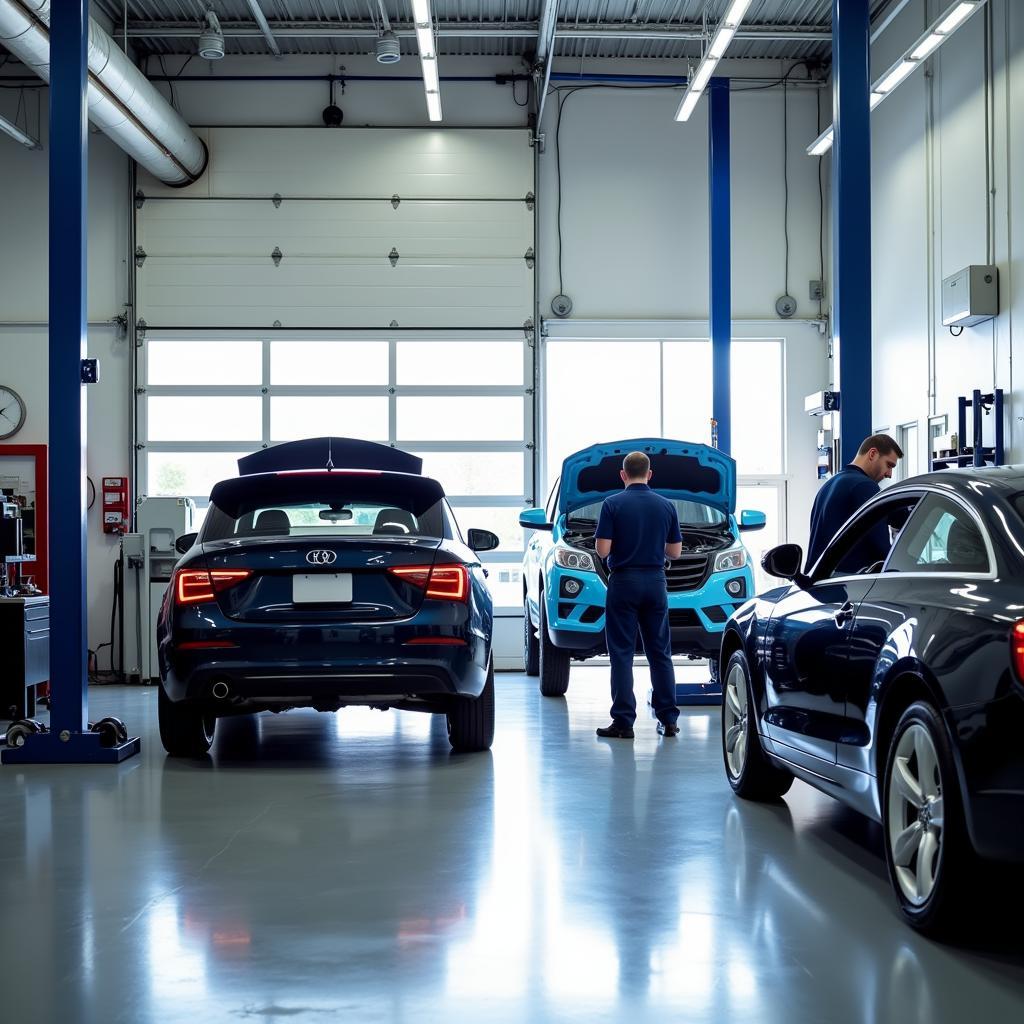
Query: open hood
{"type": "Point", "coordinates": [683, 471]}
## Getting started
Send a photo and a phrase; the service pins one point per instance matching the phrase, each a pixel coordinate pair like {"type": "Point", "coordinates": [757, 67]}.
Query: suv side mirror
{"type": "Point", "coordinates": [184, 542]}
{"type": "Point", "coordinates": [535, 519]}
{"type": "Point", "coordinates": [750, 520]}
{"type": "Point", "coordinates": [784, 562]}
{"type": "Point", "coordinates": [482, 540]}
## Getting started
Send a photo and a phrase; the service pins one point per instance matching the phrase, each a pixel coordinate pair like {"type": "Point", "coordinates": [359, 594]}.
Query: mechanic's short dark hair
{"type": "Point", "coordinates": [636, 465]}
{"type": "Point", "coordinates": [883, 442]}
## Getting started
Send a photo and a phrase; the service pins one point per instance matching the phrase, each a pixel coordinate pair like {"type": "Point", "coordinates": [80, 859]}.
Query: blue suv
{"type": "Point", "coordinates": [565, 583]}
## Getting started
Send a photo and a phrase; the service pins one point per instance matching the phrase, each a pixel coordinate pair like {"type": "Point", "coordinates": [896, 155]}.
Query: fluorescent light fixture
{"type": "Point", "coordinates": [10, 128]}
{"type": "Point", "coordinates": [721, 43]}
{"type": "Point", "coordinates": [957, 17]}
{"type": "Point", "coordinates": [428, 56]}
{"type": "Point", "coordinates": [894, 76]}
{"type": "Point", "coordinates": [425, 40]}
{"type": "Point", "coordinates": [734, 15]}
{"type": "Point", "coordinates": [690, 100]}
{"type": "Point", "coordinates": [822, 144]}
{"type": "Point", "coordinates": [430, 79]}
{"type": "Point", "coordinates": [939, 31]}
{"type": "Point", "coordinates": [926, 46]}
{"type": "Point", "coordinates": [715, 52]}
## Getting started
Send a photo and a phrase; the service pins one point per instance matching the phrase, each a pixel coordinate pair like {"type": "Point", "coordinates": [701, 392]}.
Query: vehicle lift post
{"type": "Point", "coordinates": [68, 740]}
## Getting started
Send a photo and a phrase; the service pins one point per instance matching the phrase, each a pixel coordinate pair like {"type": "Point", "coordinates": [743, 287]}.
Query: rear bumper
{"type": "Point", "coordinates": [991, 765]}
{"type": "Point", "coordinates": [321, 666]}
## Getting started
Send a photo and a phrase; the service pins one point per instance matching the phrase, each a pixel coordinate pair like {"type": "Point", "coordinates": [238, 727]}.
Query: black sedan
{"type": "Point", "coordinates": [326, 582]}
{"type": "Point", "coordinates": [897, 688]}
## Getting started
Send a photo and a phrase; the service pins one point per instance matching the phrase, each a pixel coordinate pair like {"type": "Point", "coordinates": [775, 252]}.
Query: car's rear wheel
{"type": "Point", "coordinates": [554, 662]}
{"type": "Point", "coordinates": [186, 730]}
{"type": "Point", "coordinates": [531, 645]}
{"type": "Point", "coordinates": [748, 769]}
{"type": "Point", "coordinates": [471, 721]}
{"type": "Point", "coordinates": [926, 846]}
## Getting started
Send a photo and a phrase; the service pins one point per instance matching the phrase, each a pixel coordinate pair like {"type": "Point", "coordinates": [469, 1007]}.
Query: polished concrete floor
{"type": "Point", "coordinates": [348, 867]}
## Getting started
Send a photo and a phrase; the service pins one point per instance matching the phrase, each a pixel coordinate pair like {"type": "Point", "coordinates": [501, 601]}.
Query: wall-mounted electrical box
{"type": "Point", "coordinates": [821, 402]}
{"type": "Point", "coordinates": [970, 296]}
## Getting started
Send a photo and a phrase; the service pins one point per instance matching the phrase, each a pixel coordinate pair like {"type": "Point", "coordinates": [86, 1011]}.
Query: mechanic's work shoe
{"type": "Point", "coordinates": [668, 729]}
{"type": "Point", "coordinates": [616, 732]}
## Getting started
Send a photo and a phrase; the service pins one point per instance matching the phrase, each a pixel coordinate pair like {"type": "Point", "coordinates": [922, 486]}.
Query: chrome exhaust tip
{"type": "Point", "coordinates": [220, 689]}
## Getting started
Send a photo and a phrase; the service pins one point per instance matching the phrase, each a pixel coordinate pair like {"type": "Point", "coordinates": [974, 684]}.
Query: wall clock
{"type": "Point", "coordinates": [12, 412]}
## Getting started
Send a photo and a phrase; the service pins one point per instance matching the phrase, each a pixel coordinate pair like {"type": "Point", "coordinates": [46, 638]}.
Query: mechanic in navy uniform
{"type": "Point", "coordinates": [841, 496]}
{"type": "Point", "coordinates": [636, 532]}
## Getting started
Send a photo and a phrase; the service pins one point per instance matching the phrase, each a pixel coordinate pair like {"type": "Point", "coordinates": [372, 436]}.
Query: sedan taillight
{"type": "Point", "coordinates": [192, 586]}
{"type": "Point", "coordinates": [1017, 648]}
{"type": "Point", "coordinates": [441, 582]}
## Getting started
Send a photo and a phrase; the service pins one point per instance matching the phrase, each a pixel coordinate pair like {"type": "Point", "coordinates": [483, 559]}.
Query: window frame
{"type": "Point", "coordinates": [391, 390]}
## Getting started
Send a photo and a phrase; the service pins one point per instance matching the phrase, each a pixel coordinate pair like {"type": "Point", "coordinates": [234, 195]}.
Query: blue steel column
{"type": "Point", "coordinates": [69, 34]}
{"type": "Point", "coordinates": [851, 218]}
{"type": "Point", "coordinates": [720, 220]}
{"type": "Point", "coordinates": [68, 741]}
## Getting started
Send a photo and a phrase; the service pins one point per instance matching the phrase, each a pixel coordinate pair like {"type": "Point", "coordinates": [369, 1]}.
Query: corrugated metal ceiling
{"type": "Point", "coordinates": [654, 29]}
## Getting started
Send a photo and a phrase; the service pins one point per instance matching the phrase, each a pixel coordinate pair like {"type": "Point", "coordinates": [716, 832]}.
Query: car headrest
{"type": "Point", "coordinates": [395, 521]}
{"type": "Point", "coordinates": [965, 550]}
{"type": "Point", "coordinates": [272, 520]}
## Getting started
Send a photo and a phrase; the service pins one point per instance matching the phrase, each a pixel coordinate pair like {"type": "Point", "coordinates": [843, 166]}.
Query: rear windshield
{"type": "Point", "coordinates": [329, 505]}
{"type": "Point", "coordinates": [693, 514]}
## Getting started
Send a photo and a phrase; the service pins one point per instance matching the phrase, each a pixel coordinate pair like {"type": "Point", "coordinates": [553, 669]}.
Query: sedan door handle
{"type": "Point", "coordinates": [844, 616]}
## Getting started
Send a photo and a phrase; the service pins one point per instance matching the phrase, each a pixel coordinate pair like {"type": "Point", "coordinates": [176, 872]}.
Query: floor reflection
{"type": "Point", "coordinates": [351, 866]}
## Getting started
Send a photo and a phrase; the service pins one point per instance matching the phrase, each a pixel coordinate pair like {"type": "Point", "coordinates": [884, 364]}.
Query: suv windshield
{"type": "Point", "coordinates": [693, 515]}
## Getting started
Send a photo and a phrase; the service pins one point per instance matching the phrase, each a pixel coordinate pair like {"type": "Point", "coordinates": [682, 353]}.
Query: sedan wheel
{"type": "Point", "coordinates": [747, 767]}
{"type": "Point", "coordinates": [926, 846]}
{"type": "Point", "coordinates": [915, 814]}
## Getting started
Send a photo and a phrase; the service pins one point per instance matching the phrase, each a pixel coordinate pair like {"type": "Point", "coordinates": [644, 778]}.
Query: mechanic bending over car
{"type": "Point", "coordinates": [841, 496]}
{"type": "Point", "coordinates": [636, 531]}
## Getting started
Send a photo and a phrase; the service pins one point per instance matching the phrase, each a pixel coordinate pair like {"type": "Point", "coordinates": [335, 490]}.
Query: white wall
{"type": "Point", "coordinates": [634, 223]}
{"type": "Point", "coordinates": [945, 194]}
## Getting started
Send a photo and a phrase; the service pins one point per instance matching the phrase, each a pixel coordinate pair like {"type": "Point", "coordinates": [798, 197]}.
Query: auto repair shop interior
{"type": "Point", "coordinates": [325, 329]}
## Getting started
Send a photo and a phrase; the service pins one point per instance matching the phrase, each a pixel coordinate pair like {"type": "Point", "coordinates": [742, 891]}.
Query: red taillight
{"type": "Point", "coordinates": [436, 641]}
{"type": "Point", "coordinates": [205, 645]}
{"type": "Point", "coordinates": [1017, 648]}
{"type": "Point", "coordinates": [442, 582]}
{"type": "Point", "coordinates": [196, 585]}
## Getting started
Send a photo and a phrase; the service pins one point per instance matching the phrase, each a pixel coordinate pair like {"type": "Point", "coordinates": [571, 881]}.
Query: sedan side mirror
{"type": "Point", "coordinates": [750, 520]}
{"type": "Point", "coordinates": [483, 540]}
{"type": "Point", "coordinates": [184, 542]}
{"type": "Point", "coordinates": [535, 519]}
{"type": "Point", "coordinates": [784, 562]}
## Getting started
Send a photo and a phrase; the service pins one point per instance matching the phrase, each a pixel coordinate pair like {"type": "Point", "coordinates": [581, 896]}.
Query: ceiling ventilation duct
{"type": "Point", "coordinates": [123, 103]}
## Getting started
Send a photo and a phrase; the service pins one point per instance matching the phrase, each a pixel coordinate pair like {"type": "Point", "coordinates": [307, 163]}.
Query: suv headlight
{"type": "Point", "coordinates": [727, 561]}
{"type": "Point", "coordinates": [573, 558]}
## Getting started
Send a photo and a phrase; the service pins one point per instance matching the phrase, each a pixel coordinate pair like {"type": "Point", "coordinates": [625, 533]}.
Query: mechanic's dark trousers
{"type": "Point", "coordinates": [638, 599]}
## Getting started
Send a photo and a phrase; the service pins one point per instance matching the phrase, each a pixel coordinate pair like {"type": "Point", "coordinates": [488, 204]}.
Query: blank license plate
{"type": "Point", "coordinates": [322, 588]}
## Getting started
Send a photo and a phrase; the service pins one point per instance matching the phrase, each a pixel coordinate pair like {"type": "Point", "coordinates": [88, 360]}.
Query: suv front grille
{"type": "Point", "coordinates": [687, 573]}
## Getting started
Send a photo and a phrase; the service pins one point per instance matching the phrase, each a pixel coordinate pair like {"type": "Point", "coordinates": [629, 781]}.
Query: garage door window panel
{"type": "Point", "coordinates": [479, 473]}
{"type": "Point", "coordinates": [204, 418]}
{"type": "Point", "coordinates": [295, 417]}
{"type": "Point", "coordinates": [190, 473]}
{"type": "Point", "coordinates": [328, 363]}
{"type": "Point", "coordinates": [460, 418]}
{"type": "Point", "coordinates": [460, 363]}
{"type": "Point", "coordinates": [213, 363]}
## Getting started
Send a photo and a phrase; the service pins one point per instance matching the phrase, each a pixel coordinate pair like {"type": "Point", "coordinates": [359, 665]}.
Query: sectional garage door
{"type": "Point", "coordinates": [356, 228]}
{"type": "Point", "coordinates": [358, 282]}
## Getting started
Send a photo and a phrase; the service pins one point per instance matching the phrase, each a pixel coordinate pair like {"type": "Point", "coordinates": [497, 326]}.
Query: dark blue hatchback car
{"type": "Point", "coordinates": [316, 586]}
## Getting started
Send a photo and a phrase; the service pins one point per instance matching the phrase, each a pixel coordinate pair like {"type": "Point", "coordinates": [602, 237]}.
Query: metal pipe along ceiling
{"type": "Point", "coordinates": [122, 102]}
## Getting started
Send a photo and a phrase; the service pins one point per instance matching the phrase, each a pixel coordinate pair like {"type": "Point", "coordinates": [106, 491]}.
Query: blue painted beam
{"type": "Point", "coordinates": [720, 221]}
{"type": "Point", "coordinates": [68, 739]}
{"type": "Point", "coordinates": [69, 34]}
{"type": "Point", "coordinates": [851, 218]}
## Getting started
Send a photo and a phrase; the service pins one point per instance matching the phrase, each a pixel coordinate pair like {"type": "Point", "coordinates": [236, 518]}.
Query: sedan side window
{"type": "Point", "coordinates": [942, 537]}
{"type": "Point", "coordinates": [861, 549]}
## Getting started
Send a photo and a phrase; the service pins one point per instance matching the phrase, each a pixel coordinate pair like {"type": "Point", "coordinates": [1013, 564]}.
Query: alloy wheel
{"type": "Point", "coordinates": [916, 822]}
{"type": "Point", "coordinates": [734, 708]}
